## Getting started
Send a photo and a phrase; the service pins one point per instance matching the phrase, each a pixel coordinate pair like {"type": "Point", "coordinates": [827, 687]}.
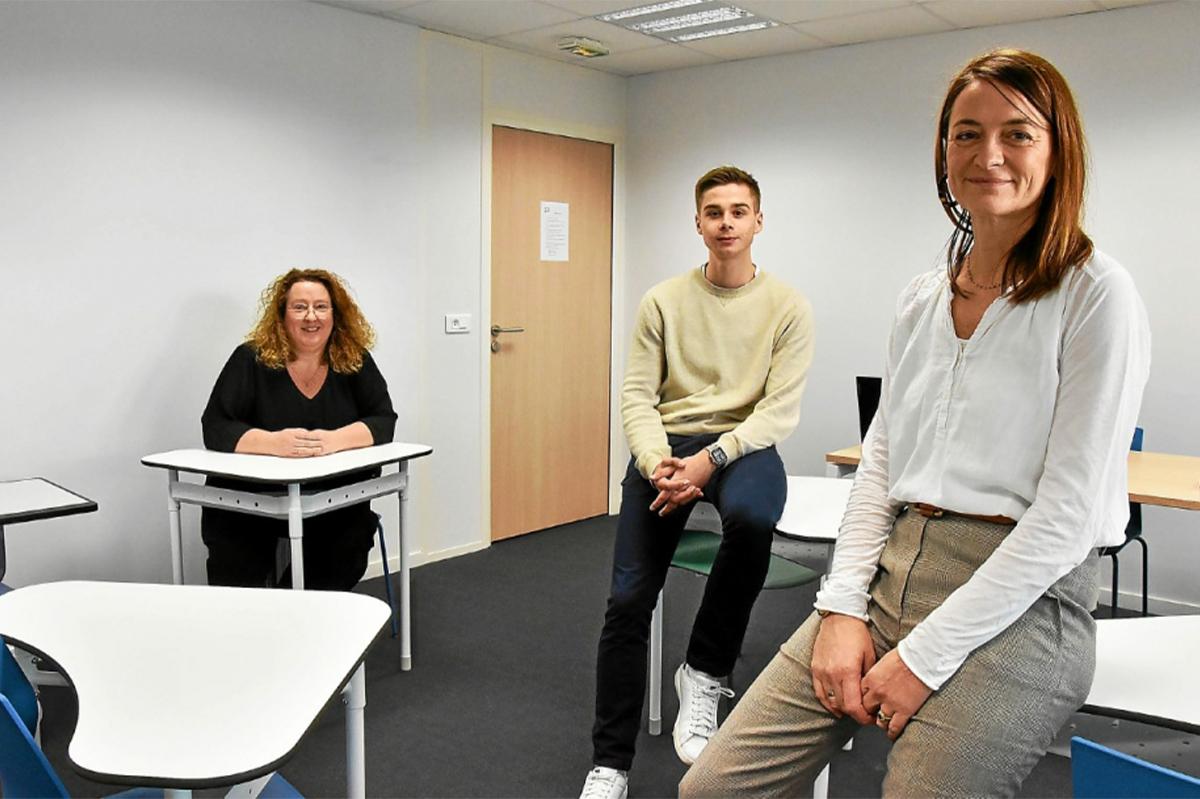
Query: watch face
{"type": "Point", "coordinates": [718, 455]}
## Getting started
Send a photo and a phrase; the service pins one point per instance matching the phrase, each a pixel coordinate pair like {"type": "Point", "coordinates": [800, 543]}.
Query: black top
{"type": "Point", "coordinates": [249, 394]}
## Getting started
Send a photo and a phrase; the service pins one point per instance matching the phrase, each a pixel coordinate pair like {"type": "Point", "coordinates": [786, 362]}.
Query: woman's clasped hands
{"type": "Point", "coordinates": [849, 682]}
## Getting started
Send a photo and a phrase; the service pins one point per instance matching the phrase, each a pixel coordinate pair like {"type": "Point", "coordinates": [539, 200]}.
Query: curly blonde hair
{"type": "Point", "coordinates": [352, 334]}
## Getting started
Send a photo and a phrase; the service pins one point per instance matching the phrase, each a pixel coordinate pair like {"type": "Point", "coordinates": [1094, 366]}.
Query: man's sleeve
{"type": "Point", "coordinates": [644, 378]}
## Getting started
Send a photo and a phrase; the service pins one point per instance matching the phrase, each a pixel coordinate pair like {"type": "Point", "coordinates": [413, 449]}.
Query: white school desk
{"type": "Point", "coordinates": [1144, 670]}
{"type": "Point", "coordinates": [185, 687]}
{"type": "Point", "coordinates": [294, 506]}
{"type": "Point", "coordinates": [814, 510]}
{"type": "Point", "coordinates": [32, 499]}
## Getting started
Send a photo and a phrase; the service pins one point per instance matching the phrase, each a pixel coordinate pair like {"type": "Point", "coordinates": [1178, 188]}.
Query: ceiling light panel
{"type": "Point", "coordinates": [641, 11]}
{"type": "Point", "coordinates": [707, 34]}
{"type": "Point", "coordinates": [687, 20]}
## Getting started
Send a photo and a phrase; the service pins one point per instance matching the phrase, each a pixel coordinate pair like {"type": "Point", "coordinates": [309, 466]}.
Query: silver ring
{"type": "Point", "coordinates": [830, 695]}
{"type": "Point", "coordinates": [884, 718]}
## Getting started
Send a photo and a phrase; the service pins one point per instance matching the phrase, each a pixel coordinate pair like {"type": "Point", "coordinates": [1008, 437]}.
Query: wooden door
{"type": "Point", "coordinates": [550, 383]}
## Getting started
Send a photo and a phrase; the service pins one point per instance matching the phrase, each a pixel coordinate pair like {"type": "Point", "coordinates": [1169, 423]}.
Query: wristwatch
{"type": "Point", "coordinates": [717, 456]}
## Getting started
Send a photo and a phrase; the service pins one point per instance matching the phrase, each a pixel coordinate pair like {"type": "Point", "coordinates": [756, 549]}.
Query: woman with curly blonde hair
{"type": "Point", "coordinates": [302, 384]}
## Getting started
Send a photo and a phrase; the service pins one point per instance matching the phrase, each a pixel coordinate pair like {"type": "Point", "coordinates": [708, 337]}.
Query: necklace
{"type": "Point", "coordinates": [308, 384]}
{"type": "Point", "coordinates": [976, 283]}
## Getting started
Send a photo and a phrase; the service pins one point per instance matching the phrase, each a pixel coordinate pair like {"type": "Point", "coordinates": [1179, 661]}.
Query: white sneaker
{"type": "Point", "coordinates": [697, 720]}
{"type": "Point", "coordinates": [605, 783]}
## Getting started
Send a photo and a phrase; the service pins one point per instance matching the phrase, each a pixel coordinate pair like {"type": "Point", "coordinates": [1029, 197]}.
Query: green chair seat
{"type": "Point", "coordinates": [697, 550]}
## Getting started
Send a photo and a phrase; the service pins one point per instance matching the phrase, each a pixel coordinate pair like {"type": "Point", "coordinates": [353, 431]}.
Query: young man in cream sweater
{"type": "Point", "coordinates": [716, 370]}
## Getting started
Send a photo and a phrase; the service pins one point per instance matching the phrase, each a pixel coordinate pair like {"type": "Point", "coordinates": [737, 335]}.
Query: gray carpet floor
{"type": "Point", "coordinates": [499, 701]}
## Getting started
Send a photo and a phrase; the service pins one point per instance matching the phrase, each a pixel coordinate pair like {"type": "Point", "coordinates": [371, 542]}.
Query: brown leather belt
{"type": "Point", "coordinates": [934, 512]}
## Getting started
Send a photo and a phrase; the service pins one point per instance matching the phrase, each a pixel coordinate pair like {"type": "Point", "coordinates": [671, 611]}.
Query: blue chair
{"type": "Point", "coordinates": [19, 692]}
{"type": "Point", "coordinates": [1098, 772]}
{"type": "Point", "coordinates": [1133, 532]}
{"type": "Point", "coordinates": [25, 772]}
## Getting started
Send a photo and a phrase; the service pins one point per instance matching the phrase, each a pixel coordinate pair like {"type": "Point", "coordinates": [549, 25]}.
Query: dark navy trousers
{"type": "Point", "coordinates": [749, 494]}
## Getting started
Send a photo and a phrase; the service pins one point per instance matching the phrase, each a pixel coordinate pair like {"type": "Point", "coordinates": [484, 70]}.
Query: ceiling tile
{"type": "Point", "coordinates": [591, 8]}
{"type": "Point", "coordinates": [654, 59]}
{"type": "Point", "coordinates": [545, 40]}
{"type": "Point", "coordinates": [754, 44]}
{"type": "Point", "coordinates": [381, 8]}
{"type": "Point", "coordinates": [1124, 3]}
{"type": "Point", "coordinates": [892, 23]}
{"type": "Point", "coordinates": [804, 10]}
{"type": "Point", "coordinates": [483, 19]}
{"type": "Point", "coordinates": [974, 14]}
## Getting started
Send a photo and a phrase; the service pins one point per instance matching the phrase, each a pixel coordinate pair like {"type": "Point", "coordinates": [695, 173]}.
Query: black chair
{"type": "Point", "coordinates": [1133, 532]}
{"type": "Point", "coordinates": [868, 389]}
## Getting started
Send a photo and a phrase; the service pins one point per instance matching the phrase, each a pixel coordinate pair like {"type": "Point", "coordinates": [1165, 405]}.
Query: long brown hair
{"type": "Point", "coordinates": [1056, 242]}
{"type": "Point", "coordinates": [351, 337]}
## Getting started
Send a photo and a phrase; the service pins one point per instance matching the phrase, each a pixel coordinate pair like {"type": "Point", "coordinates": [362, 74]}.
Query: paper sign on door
{"type": "Point", "coordinates": [556, 230]}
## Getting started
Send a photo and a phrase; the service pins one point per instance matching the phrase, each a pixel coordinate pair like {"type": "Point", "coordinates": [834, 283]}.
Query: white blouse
{"type": "Point", "coordinates": [1030, 418]}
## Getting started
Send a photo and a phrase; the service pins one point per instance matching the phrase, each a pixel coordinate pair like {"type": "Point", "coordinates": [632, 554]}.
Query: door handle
{"type": "Point", "coordinates": [497, 330]}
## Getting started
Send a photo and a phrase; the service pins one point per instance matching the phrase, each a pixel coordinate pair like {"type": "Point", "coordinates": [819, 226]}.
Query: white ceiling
{"type": "Point", "coordinates": [535, 26]}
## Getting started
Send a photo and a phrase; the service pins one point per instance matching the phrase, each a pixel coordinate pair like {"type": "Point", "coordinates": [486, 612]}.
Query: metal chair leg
{"type": "Point", "coordinates": [387, 576]}
{"type": "Point", "coordinates": [1145, 576]}
{"type": "Point", "coordinates": [656, 647]}
{"type": "Point", "coordinates": [1116, 571]}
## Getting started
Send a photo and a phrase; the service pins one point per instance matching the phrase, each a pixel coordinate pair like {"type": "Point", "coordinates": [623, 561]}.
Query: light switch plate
{"type": "Point", "coordinates": [458, 323]}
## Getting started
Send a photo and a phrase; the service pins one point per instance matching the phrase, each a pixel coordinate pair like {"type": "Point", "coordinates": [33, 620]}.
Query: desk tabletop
{"type": "Point", "coordinates": [191, 686]}
{"type": "Point", "coordinates": [1143, 669]}
{"type": "Point", "coordinates": [1155, 478]}
{"type": "Point", "coordinates": [37, 498]}
{"type": "Point", "coordinates": [272, 469]}
{"type": "Point", "coordinates": [814, 508]}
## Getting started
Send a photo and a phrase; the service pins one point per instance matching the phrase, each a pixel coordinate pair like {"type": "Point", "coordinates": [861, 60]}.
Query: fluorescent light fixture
{"type": "Point", "coordinates": [582, 46]}
{"type": "Point", "coordinates": [687, 20]}
{"type": "Point", "coordinates": [642, 11]}
{"type": "Point", "coordinates": [693, 20]}
{"type": "Point", "coordinates": [749, 26]}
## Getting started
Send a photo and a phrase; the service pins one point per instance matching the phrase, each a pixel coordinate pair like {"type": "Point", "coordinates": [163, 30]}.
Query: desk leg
{"type": "Point", "coordinates": [296, 535]}
{"type": "Point", "coordinates": [355, 697]}
{"type": "Point", "coordinates": [839, 470]}
{"type": "Point", "coordinates": [405, 617]}
{"type": "Point", "coordinates": [176, 534]}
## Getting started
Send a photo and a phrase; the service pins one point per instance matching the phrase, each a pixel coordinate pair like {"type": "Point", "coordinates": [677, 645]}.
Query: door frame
{"type": "Point", "coordinates": [616, 348]}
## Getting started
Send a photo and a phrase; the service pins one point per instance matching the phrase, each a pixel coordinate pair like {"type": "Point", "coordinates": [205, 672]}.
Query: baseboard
{"type": "Point", "coordinates": [375, 567]}
{"type": "Point", "coordinates": [1130, 600]}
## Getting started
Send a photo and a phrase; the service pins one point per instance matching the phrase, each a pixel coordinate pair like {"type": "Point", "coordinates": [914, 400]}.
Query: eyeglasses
{"type": "Point", "coordinates": [301, 309]}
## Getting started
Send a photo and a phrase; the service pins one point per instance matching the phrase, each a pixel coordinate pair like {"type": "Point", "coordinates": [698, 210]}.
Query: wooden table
{"type": "Point", "coordinates": [295, 506]}
{"type": "Point", "coordinates": [1155, 478]}
{"type": "Point", "coordinates": [32, 499]}
{"type": "Point", "coordinates": [185, 687]}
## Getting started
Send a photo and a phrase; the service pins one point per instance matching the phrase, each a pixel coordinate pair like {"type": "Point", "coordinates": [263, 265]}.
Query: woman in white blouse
{"type": "Point", "coordinates": [956, 614]}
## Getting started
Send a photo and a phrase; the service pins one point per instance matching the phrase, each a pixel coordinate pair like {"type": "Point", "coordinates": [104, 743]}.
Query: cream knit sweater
{"type": "Point", "coordinates": [707, 359]}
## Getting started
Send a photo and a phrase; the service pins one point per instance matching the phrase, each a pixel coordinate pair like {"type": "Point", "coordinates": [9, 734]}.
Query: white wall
{"type": "Point", "coordinates": [842, 142]}
{"type": "Point", "coordinates": [160, 163]}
